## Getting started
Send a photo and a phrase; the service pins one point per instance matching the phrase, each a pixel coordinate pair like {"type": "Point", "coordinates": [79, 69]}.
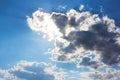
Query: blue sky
{"type": "Point", "coordinates": [19, 42]}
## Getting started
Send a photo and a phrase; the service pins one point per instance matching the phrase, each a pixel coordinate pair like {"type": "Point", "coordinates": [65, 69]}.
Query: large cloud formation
{"type": "Point", "coordinates": [25, 70]}
{"type": "Point", "coordinates": [79, 37]}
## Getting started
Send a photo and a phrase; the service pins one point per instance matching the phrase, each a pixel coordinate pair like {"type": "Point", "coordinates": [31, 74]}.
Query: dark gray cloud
{"type": "Point", "coordinates": [60, 20]}
{"type": "Point", "coordinates": [73, 22]}
{"type": "Point", "coordinates": [97, 38]}
{"type": "Point", "coordinates": [82, 32]}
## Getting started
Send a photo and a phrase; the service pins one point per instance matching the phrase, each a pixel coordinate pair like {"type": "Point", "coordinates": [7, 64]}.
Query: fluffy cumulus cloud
{"type": "Point", "coordinates": [32, 71]}
{"type": "Point", "coordinates": [5, 75]}
{"type": "Point", "coordinates": [80, 37]}
{"type": "Point", "coordinates": [25, 70]}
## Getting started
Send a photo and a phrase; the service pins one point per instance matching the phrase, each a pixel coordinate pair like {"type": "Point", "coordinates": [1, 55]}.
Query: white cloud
{"type": "Point", "coordinates": [81, 7]}
{"type": "Point", "coordinates": [5, 75]}
{"type": "Point", "coordinates": [77, 75]}
{"type": "Point", "coordinates": [25, 70]}
{"type": "Point", "coordinates": [62, 7]}
{"type": "Point", "coordinates": [42, 22]}
{"type": "Point", "coordinates": [32, 70]}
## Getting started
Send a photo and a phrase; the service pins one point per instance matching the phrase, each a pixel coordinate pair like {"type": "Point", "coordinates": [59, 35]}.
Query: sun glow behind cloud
{"type": "Point", "coordinates": [79, 37]}
{"type": "Point", "coordinates": [65, 28]}
{"type": "Point", "coordinates": [45, 24]}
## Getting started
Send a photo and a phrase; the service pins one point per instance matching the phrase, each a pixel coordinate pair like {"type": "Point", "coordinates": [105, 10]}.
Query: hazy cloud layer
{"type": "Point", "coordinates": [32, 71]}
{"type": "Point", "coordinates": [80, 37]}
{"type": "Point", "coordinates": [25, 70]}
{"type": "Point", "coordinates": [108, 74]}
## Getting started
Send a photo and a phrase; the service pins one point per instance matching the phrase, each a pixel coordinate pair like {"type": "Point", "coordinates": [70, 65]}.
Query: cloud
{"type": "Point", "coordinates": [110, 74]}
{"type": "Point", "coordinates": [78, 36]}
{"type": "Point", "coordinates": [62, 6]}
{"type": "Point", "coordinates": [76, 75]}
{"type": "Point", "coordinates": [25, 70]}
{"type": "Point", "coordinates": [5, 75]}
{"type": "Point", "coordinates": [81, 7]}
{"type": "Point", "coordinates": [32, 71]}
